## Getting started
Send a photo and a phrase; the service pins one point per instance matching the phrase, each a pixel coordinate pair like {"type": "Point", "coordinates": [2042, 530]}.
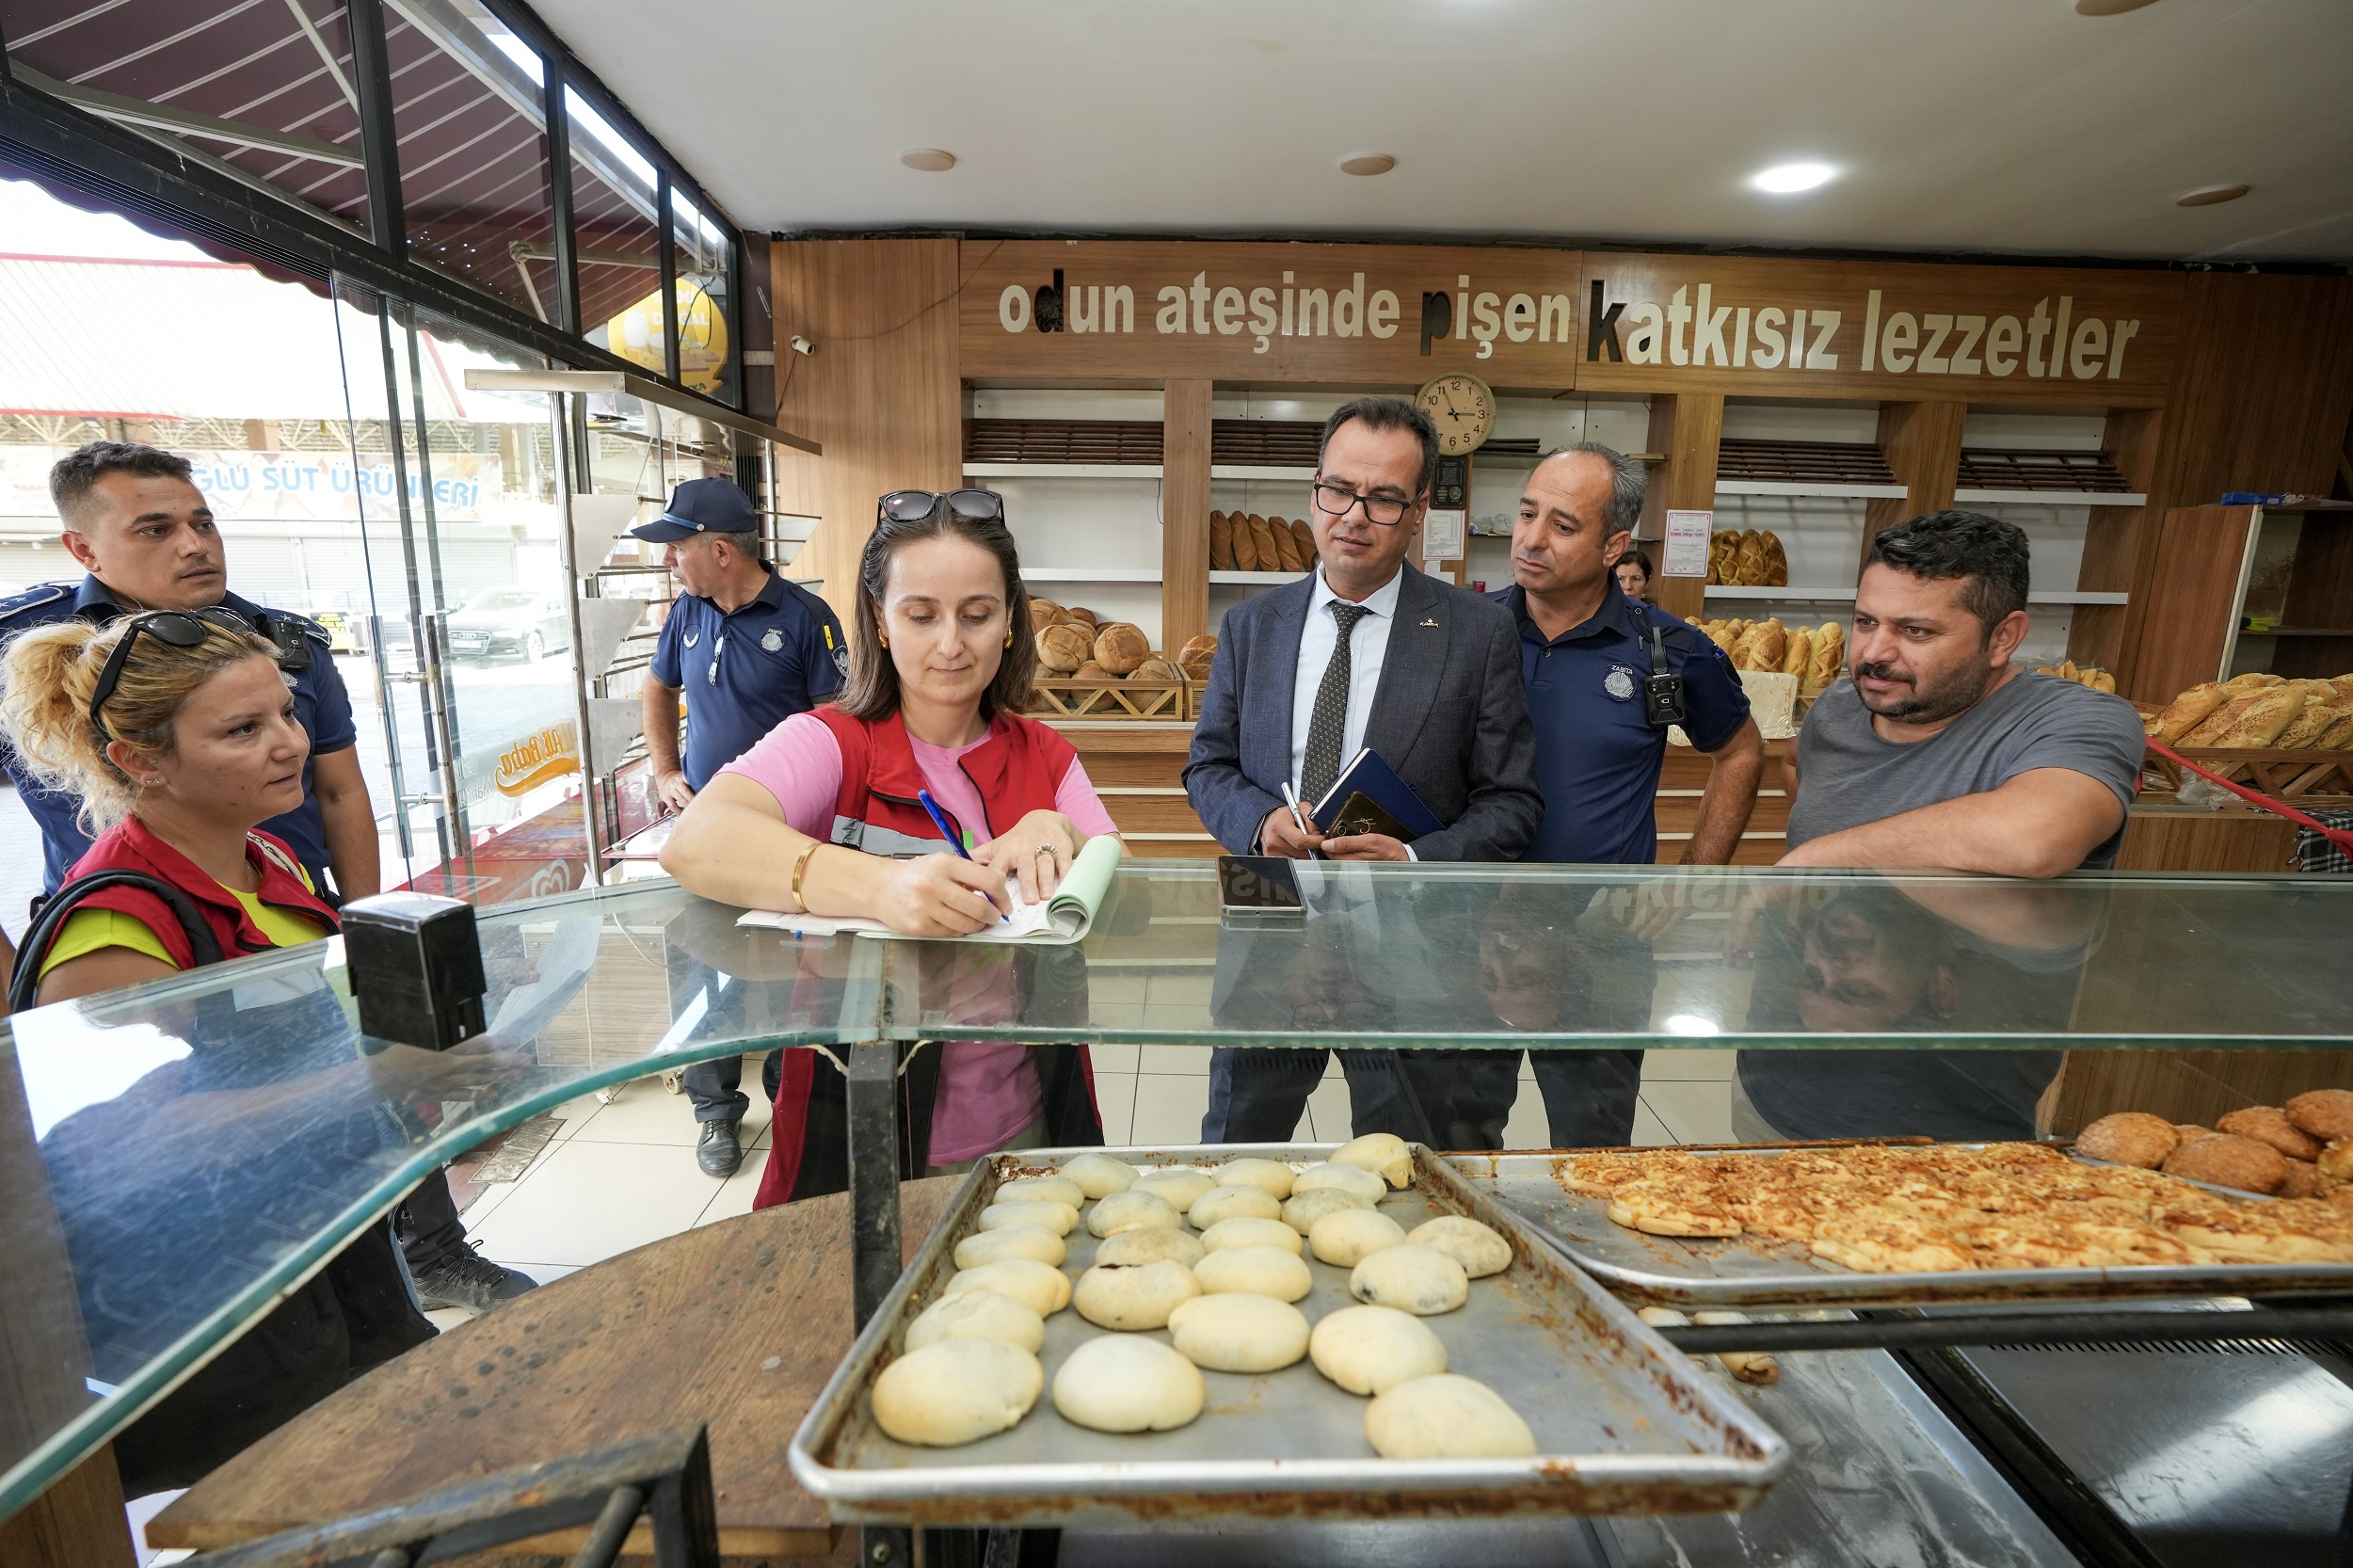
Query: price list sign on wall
{"type": "Point", "coordinates": [1686, 551]}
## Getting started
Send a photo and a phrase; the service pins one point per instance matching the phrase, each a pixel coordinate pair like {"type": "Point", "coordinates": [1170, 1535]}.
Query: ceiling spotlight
{"type": "Point", "coordinates": [930, 160]}
{"type": "Point", "coordinates": [1367, 163]}
{"type": "Point", "coordinates": [2109, 7]}
{"type": "Point", "coordinates": [2209, 195]}
{"type": "Point", "coordinates": [1784, 179]}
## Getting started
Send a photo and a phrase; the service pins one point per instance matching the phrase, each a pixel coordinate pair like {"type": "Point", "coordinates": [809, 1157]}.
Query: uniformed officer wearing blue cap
{"type": "Point", "coordinates": [137, 522]}
{"type": "Point", "coordinates": [748, 649]}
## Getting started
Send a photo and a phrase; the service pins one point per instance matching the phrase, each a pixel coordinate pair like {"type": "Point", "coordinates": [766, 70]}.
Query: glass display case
{"type": "Point", "coordinates": [180, 1156]}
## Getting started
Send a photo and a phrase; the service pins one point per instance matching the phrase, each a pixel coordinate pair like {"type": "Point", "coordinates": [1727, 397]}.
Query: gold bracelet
{"type": "Point", "coordinates": [800, 869]}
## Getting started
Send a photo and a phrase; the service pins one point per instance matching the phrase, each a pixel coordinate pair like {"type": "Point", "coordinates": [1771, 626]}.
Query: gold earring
{"type": "Point", "coordinates": [1008, 639]}
{"type": "Point", "coordinates": [880, 638]}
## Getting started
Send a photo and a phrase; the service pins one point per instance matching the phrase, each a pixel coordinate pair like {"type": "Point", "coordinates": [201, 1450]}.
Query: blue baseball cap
{"type": "Point", "coordinates": [701, 507]}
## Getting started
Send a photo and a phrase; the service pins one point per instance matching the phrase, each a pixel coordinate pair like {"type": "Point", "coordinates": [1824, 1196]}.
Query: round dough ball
{"type": "Point", "coordinates": [1040, 1189]}
{"type": "Point", "coordinates": [2129, 1138]}
{"type": "Point", "coordinates": [1480, 1249]}
{"type": "Point", "coordinates": [1179, 1184]}
{"type": "Point", "coordinates": [1385, 1153]}
{"type": "Point", "coordinates": [2227, 1162]}
{"type": "Point", "coordinates": [988, 1246]}
{"type": "Point", "coordinates": [1133, 1210]}
{"type": "Point", "coordinates": [1099, 1175]}
{"type": "Point", "coordinates": [1416, 1278]}
{"type": "Point", "coordinates": [1347, 1178]}
{"type": "Point", "coordinates": [1301, 1210]}
{"type": "Point", "coordinates": [977, 1314]}
{"type": "Point", "coordinates": [1447, 1416]}
{"type": "Point", "coordinates": [2303, 1180]}
{"type": "Point", "coordinates": [1255, 1271]}
{"type": "Point", "coordinates": [1151, 1244]}
{"type": "Point", "coordinates": [1133, 1296]}
{"type": "Point", "coordinates": [2326, 1113]}
{"type": "Point", "coordinates": [1370, 1350]}
{"type": "Point", "coordinates": [1251, 1232]}
{"type": "Point", "coordinates": [1272, 1175]}
{"type": "Point", "coordinates": [2191, 1132]}
{"type": "Point", "coordinates": [956, 1391]}
{"type": "Point", "coordinates": [1236, 1332]}
{"type": "Point", "coordinates": [2268, 1123]}
{"type": "Point", "coordinates": [1233, 1203]}
{"type": "Point", "coordinates": [1126, 1383]}
{"type": "Point", "coordinates": [1056, 1217]}
{"type": "Point", "coordinates": [1347, 1238]}
{"type": "Point", "coordinates": [1041, 1287]}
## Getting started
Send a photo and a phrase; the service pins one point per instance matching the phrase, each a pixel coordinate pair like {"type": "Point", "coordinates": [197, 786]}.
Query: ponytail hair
{"type": "Point", "coordinates": [47, 676]}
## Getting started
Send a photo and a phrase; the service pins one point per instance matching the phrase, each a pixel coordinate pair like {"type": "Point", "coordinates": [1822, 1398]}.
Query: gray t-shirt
{"type": "Point", "coordinates": [1846, 776]}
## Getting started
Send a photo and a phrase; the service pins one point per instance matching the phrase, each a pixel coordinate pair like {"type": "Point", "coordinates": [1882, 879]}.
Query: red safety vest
{"type": "Point", "coordinates": [1018, 769]}
{"type": "Point", "coordinates": [131, 847]}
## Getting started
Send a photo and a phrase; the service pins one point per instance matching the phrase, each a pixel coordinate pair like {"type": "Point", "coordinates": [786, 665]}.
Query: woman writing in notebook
{"type": "Point", "coordinates": [827, 814]}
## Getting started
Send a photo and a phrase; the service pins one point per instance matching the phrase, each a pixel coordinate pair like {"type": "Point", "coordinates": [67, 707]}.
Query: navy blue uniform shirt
{"type": "Point", "coordinates": [1597, 758]}
{"type": "Point", "coordinates": [321, 703]}
{"type": "Point", "coordinates": [746, 673]}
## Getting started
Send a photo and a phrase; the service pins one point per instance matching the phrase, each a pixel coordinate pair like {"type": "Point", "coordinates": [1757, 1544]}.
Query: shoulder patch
{"type": "Point", "coordinates": [303, 624]}
{"type": "Point", "coordinates": [33, 599]}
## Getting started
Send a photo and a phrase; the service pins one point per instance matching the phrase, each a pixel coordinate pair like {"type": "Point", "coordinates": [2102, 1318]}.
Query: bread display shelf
{"type": "Point", "coordinates": [2315, 777]}
{"type": "Point", "coordinates": [1623, 1424]}
{"type": "Point", "coordinates": [1239, 578]}
{"type": "Point", "coordinates": [1090, 574]}
{"type": "Point", "coordinates": [1280, 472]}
{"type": "Point", "coordinates": [2049, 498]}
{"type": "Point", "coordinates": [1061, 698]}
{"type": "Point", "coordinates": [1754, 1272]}
{"type": "Point", "coordinates": [1846, 596]}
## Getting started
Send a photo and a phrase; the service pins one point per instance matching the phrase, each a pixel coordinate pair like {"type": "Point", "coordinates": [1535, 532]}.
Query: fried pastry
{"type": "Point", "coordinates": [2326, 1113]}
{"type": "Point", "coordinates": [2268, 1124]}
{"type": "Point", "coordinates": [2228, 1161]}
{"type": "Point", "coordinates": [2303, 1179]}
{"type": "Point", "coordinates": [2128, 1138]}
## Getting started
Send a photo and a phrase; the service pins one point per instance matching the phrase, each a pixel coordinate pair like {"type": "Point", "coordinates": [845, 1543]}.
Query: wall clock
{"type": "Point", "coordinates": [1464, 408]}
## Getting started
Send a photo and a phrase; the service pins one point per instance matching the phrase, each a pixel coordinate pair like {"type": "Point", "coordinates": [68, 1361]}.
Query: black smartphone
{"type": "Point", "coordinates": [1258, 890]}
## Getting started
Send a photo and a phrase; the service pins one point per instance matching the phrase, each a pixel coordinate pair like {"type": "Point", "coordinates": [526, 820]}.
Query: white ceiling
{"type": "Point", "coordinates": [1962, 125]}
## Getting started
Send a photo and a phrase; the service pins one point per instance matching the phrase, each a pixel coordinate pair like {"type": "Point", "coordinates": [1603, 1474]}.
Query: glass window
{"type": "Point", "coordinates": [618, 243]}
{"type": "Point", "coordinates": [264, 91]}
{"type": "Point", "coordinates": [706, 315]}
{"type": "Point", "coordinates": [469, 115]}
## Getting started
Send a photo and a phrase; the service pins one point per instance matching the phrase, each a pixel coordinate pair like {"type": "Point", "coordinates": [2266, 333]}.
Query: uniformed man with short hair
{"type": "Point", "coordinates": [134, 519]}
{"type": "Point", "coordinates": [748, 649]}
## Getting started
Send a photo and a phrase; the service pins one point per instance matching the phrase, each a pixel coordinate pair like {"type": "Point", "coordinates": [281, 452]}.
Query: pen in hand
{"type": "Point", "coordinates": [939, 820]}
{"type": "Point", "coordinates": [1298, 819]}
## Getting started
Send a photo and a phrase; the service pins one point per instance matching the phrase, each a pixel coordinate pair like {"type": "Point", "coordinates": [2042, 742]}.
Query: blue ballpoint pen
{"type": "Point", "coordinates": [939, 820]}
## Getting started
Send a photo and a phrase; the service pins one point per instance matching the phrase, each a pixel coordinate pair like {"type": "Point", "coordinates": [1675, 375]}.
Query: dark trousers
{"type": "Point", "coordinates": [426, 1223]}
{"type": "Point", "coordinates": [1590, 1096]}
{"type": "Point", "coordinates": [1257, 1095]}
{"type": "Point", "coordinates": [711, 1085]}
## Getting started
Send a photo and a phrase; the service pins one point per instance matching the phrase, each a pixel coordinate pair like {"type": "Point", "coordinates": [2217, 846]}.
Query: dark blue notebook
{"type": "Point", "coordinates": [1369, 798]}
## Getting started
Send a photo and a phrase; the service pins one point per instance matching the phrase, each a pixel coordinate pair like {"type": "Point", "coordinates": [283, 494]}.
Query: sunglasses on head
{"type": "Point", "coordinates": [915, 506]}
{"type": "Point", "coordinates": [181, 628]}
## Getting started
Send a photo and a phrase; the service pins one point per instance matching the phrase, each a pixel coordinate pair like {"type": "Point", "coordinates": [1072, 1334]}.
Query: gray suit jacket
{"type": "Point", "coordinates": [1450, 716]}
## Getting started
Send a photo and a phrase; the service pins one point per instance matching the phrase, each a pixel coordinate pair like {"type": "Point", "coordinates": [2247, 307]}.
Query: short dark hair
{"type": "Point", "coordinates": [1630, 484]}
{"type": "Point", "coordinates": [75, 474]}
{"type": "Point", "coordinates": [871, 691]}
{"type": "Point", "coordinates": [1640, 558]}
{"type": "Point", "coordinates": [1388, 413]}
{"type": "Point", "coordinates": [1991, 554]}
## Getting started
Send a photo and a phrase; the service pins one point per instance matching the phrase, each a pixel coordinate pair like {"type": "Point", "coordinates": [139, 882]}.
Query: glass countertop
{"type": "Point", "coordinates": [176, 1157]}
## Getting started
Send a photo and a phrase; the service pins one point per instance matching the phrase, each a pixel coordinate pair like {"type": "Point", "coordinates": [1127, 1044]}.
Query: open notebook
{"type": "Point", "coordinates": [1065, 917]}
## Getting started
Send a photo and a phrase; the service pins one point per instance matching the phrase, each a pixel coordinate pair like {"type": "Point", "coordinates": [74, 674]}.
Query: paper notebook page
{"type": "Point", "coordinates": [806, 925]}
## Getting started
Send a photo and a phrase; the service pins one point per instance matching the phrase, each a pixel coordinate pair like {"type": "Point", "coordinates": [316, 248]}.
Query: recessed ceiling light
{"type": "Point", "coordinates": [930, 160]}
{"type": "Point", "coordinates": [1783, 179]}
{"type": "Point", "coordinates": [2208, 196]}
{"type": "Point", "coordinates": [2109, 7]}
{"type": "Point", "coordinates": [1367, 163]}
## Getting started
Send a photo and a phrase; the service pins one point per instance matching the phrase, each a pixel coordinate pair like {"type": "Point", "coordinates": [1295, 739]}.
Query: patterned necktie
{"type": "Point", "coordinates": [1321, 767]}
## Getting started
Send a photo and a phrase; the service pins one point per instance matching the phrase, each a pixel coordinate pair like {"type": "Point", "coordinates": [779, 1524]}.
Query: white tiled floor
{"type": "Point", "coordinates": [620, 1174]}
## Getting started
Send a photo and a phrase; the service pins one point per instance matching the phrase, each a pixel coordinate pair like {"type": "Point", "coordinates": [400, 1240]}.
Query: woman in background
{"type": "Point", "coordinates": [1634, 574]}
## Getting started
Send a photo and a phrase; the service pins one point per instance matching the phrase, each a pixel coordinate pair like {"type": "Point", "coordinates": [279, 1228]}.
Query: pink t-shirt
{"type": "Point", "coordinates": [988, 1089]}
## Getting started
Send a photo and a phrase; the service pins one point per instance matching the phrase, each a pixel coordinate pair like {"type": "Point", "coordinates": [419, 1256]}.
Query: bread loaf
{"type": "Point", "coordinates": [1742, 648]}
{"type": "Point", "coordinates": [1221, 542]}
{"type": "Point", "coordinates": [2186, 712]}
{"type": "Point", "coordinates": [1723, 633]}
{"type": "Point", "coordinates": [2304, 731]}
{"type": "Point", "coordinates": [1043, 613]}
{"type": "Point", "coordinates": [1270, 559]}
{"type": "Point", "coordinates": [2202, 733]}
{"type": "Point", "coordinates": [2338, 736]}
{"type": "Point", "coordinates": [1799, 657]}
{"type": "Point", "coordinates": [1063, 647]}
{"type": "Point", "coordinates": [1751, 558]}
{"type": "Point", "coordinates": [2254, 681]}
{"type": "Point", "coordinates": [1246, 545]}
{"type": "Point", "coordinates": [1776, 561]}
{"type": "Point", "coordinates": [1305, 538]}
{"type": "Point", "coordinates": [1204, 645]}
{"type": "Point", "coordinates": [1157, 669]}
{"type": "Point", "coordinates": [1120, 647]}
{"type": "Point", "coordinates": [1723, 559]}
{"type": "Point", "coordinates": [1287, 545]}
{"type": "Point", "coordinates": [1829, 652]}
{"type": "Point", "coordinates": [1091, 670]}
{"type": "Point", "coordinates": [1082, 615]}
{"type": "Point", "coordinates": [2255, 725]}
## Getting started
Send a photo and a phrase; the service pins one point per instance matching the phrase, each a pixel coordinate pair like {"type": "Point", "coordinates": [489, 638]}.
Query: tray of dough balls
{"type": "Point", "coordinates": [1275, 1331]}
{"type": "Point", "coordinates": [2138, 1208]}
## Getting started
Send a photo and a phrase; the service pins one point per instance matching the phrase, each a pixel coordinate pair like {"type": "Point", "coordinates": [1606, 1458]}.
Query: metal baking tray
{"type": "Point", "coordinates": [1624, 1423]}
{"type": "Point", "coordinates": [1753, 1271]}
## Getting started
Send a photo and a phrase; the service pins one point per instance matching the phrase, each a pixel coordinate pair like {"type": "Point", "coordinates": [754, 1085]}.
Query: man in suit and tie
{"type": "Point", "coordinates": [1365, 653]}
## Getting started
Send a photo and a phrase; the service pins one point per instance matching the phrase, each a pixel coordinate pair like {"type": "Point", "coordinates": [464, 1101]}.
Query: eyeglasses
{"type": "Point", "coordinates": [915, 506]}
{"type": "Point", "coordinates": [181, 628]}
{"type": "Point", "coordinates": [1334, 500]}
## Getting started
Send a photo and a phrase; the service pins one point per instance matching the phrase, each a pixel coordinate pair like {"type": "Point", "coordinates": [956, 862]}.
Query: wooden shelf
{"type": "Point", "coordinates": [1062, 470]}
{"type": "Point", "coordinates": [1090, 574]}
{"type": "Point", "coordinates": [2049, 498]}
{"type": "Point", "coordinates": [2301, 632]}
{"type": "Point", "coordinates": [1830, 491]}
{"type": "Point", "coordinates": [1260, 470]}
{"type": "Point", "coordinates": [1253, 579]}
{"type": "Point", "coordinates": [1808, 596]}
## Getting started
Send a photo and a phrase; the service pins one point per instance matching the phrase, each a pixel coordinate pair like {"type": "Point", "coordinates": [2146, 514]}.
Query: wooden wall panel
{"type": "Point", "coordinates": [883, 394]}
{"type": "Point", "coordinates": [1184, 513]}
{"type": "Point", "coordinates": [1922, 444]}
{"type": "Point", "coordinates": [2118, 553]}
{"type": "Point", "coordinates": [2193, 580]}
{"type": "Point", "coordinates": [1690, 428]}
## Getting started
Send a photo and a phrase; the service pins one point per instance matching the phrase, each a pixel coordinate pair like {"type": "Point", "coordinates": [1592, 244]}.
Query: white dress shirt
{"type": "Point", "coordinates": [1365, 650]}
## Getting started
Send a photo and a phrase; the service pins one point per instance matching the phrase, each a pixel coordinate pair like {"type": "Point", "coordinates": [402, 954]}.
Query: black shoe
{"type": "Point", "coordinates": [463, 1278]}
{"type": "Point", "coordinates": [718, 1151]}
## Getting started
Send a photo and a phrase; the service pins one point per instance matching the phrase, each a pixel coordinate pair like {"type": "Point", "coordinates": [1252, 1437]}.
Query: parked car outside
{"type": "Point", "coordinates": [508, 623]}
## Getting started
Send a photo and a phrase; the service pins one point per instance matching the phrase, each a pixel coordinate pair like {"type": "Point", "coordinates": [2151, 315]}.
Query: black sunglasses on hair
{"type": "Point", "coordinates": [915, 506]}
{"type": "Point", "coordinates": [181, 628]}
